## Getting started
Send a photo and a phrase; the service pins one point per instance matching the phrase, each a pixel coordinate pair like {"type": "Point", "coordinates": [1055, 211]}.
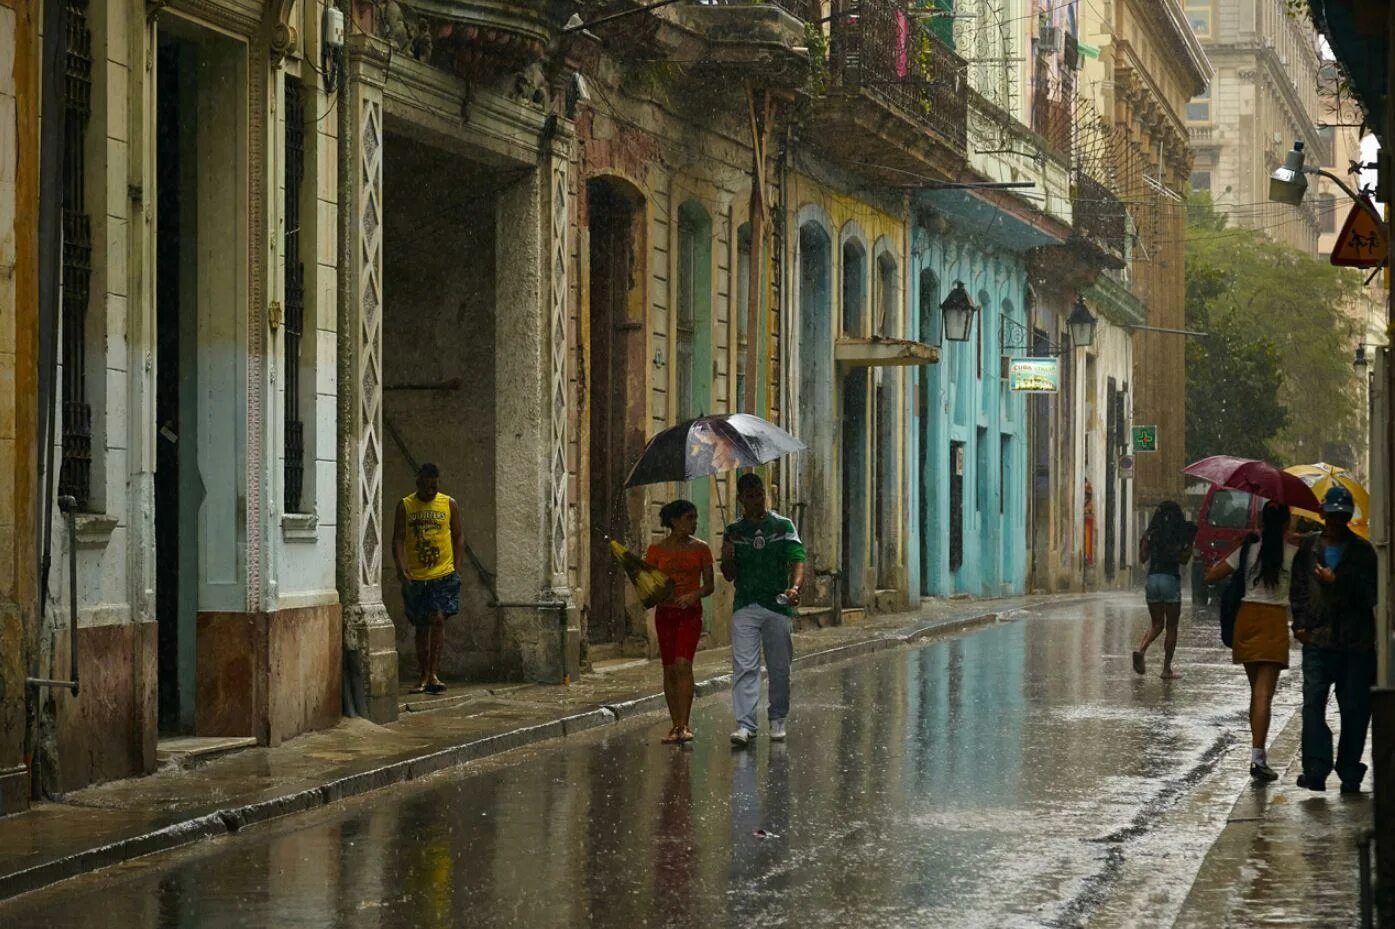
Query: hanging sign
{"type": "Point", "coordinates": [1362, 243]}
{"type": "Point", "coordinates": [1035, 375]}
{"type": "Point", "coordinates": [1145, 439]}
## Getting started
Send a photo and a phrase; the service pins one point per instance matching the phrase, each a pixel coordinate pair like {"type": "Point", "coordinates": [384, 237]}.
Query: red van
{"type": "Point", "coordinates": [1225, 518]}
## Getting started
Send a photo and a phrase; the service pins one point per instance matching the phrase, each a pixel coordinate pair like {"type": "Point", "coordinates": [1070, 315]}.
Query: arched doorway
{"type": "Point", "coordinates": [614, 389]}
{"type": "Point", "coordinates": [854, 411]}
{"type": "Point", "coordinates": [814, 513]}
{"type": "Point", "coordinates": [886, 480]}
{"type": "Point", "coordinates": [931, 454]}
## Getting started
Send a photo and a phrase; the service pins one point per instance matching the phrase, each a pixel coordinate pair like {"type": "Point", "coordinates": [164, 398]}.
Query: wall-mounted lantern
{"type": "Point", "coordinates": [1081, 325]}
{"type": "Point", "coordinates": [958, 312]}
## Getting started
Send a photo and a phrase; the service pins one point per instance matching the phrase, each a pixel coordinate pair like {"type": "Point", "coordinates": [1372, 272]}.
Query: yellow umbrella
{"type": "Point", "coordinates": [1320, 478]}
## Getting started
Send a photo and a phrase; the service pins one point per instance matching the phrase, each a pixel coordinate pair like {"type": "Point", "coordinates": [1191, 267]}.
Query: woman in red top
{"type": "Point", "coordinates": [678, 621]}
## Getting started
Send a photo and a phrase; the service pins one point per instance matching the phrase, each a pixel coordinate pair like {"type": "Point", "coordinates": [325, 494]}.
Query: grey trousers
{"type": "Point", "coordinates": [754, 627]}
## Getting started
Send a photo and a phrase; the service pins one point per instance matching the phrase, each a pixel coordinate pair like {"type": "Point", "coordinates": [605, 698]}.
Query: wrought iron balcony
{"type": "Point", "coordinates": [1100, 216]}
{"type": "Point", "coordinates": [877, 48]}
{"type": "Point", "coordinates": [804, 10]}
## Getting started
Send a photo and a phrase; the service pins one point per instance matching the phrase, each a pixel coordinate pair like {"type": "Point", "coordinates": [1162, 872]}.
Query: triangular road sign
{"type": "Point", "coordinates": [1362, 242]}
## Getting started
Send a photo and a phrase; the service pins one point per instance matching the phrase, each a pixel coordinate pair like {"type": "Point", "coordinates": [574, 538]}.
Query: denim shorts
{"type": "Point", "coordinates": [420, 599]}
{"type": "Point", "coordinates": [1162, 588]}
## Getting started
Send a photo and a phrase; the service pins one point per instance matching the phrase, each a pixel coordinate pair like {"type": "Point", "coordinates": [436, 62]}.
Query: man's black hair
{"type": "Point", "coordinates": [748, 480]}
{"type": "Point", "coordinates": [428, 470]}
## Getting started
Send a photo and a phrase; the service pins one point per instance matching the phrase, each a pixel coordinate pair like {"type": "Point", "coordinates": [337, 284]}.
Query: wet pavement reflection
{"type": "Point", "coordinates": [1006, 777]}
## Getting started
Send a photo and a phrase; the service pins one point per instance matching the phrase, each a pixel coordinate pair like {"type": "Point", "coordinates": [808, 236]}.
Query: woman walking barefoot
{"type": "Point", "coordinates": [1260, 641]}
{"type": "Point", "coordinates": [678, 621]}
{"type": "Point", "coordinates": [1165, 547]}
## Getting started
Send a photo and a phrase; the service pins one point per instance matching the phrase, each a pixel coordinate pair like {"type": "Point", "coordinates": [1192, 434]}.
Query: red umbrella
{"type": "Point", "coordinates": [1257, 477]}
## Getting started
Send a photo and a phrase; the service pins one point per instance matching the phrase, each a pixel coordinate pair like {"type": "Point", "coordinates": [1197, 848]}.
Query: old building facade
{"type": "Point", "coordinates": [302, 260]}
{"type": "Point", "coordinates": [1263, 96]}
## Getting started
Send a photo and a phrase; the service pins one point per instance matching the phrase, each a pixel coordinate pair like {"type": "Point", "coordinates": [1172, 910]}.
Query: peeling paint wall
{"type": "Point", "coordinates": [965, 403]}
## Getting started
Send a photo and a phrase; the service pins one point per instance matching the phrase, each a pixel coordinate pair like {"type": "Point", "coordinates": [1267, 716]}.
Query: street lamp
{"type": "Point", "coordinates": [1287, 184]}
{"type": "Point", "coordinates": [958, 312]}
{"type": "Point", "coordinates": [1081, 325]}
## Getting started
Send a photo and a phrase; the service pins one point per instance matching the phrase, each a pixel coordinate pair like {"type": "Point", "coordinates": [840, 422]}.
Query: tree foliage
{"type": "Point", "coordinates": [1274, 379]}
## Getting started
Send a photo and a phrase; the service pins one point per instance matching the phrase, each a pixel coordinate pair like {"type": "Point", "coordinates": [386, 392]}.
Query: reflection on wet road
{"type": "Point", "coordinates": [1009, 777]}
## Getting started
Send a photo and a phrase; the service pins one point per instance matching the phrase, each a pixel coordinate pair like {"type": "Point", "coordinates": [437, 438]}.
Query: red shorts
{"type": "Point", "coordinates": [679, 629]}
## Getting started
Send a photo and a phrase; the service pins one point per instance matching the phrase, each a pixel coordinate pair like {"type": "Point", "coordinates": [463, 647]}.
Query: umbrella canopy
{"type": "Point", "coordinates": [1257, 477]}
{"type": "Point", "coordinates": [708, 445]}
{"type": "Point", "coordinates": [1321, 477]}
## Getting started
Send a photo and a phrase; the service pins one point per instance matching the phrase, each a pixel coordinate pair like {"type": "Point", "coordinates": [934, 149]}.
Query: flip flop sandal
{"type": "Point", "coordinates": [673, 737]}
{"type": "Point", "coordinates": [1138, 665]}
{"type": "Point", "coordinates": [435, 688]}
{"type": "Point", "coordinates": [419, 689]}
{"type": "Point", "coordinates": [686, 735]}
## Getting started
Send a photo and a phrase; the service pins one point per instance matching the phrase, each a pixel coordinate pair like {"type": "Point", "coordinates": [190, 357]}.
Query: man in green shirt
{"type": "Point", "coordinates": [762, 554]}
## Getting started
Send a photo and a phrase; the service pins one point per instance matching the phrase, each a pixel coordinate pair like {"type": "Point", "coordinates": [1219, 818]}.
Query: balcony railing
{"type": "Point", "coordinates": [877, 47]}
{"type": "Point", "coordinates": [806, 10]}
{"type": "Point", "coordinates": [1099, 214]}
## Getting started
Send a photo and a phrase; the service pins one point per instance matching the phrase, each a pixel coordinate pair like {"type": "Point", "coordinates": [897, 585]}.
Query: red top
{"type": "Point", "coordinates": [684, 565]}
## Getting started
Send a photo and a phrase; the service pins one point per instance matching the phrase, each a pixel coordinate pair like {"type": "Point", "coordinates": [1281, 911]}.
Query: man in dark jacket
{"type": "Point", "coordinates": [1333, 595]}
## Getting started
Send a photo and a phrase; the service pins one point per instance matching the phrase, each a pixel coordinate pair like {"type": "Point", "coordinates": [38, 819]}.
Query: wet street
{"type": "Point", "coordinates": [1017, 775]}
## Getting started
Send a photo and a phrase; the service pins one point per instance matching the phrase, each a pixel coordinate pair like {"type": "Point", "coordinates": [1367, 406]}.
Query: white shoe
{"type": "Point", "coordinates": [742, 737]}
{"type": "Point", "coordinates": [777, 730]}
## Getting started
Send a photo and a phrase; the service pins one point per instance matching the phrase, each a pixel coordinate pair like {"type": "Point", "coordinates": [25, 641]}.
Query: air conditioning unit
{"type": "Point", "coordinates": [1049, 40]}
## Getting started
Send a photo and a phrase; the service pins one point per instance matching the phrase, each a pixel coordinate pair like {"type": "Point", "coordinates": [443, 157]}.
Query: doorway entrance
{"type": "Point", "coordinates": [201, 252]}
{"type": "Point", "coordinates": [855, 465]}
{"type": "Point", "coordinates": [615, 389]}
{"type": "Point", "coordinates": [440, 267]}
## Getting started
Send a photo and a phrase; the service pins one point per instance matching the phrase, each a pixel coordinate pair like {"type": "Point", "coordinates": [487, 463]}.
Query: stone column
{"type": "Point", "coordinates": [530, 365]}
{"type": "Point", "coordinates": [369, 638]}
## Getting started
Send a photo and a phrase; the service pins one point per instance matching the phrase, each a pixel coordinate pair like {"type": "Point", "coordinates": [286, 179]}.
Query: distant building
{"type": "Point", "coordinates": [1264, 95]}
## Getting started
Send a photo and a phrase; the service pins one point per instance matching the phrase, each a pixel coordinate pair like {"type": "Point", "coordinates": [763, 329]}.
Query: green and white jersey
{"type": "Point", "coordinates": [765, 549]}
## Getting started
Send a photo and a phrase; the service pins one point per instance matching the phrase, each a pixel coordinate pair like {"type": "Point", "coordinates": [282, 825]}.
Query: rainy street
{"type": "Point", "coordinates": [1016, 775]}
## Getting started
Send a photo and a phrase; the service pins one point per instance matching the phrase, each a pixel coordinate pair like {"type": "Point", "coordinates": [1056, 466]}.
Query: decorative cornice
{"type": "Point", "coordinates": [1171, 24]}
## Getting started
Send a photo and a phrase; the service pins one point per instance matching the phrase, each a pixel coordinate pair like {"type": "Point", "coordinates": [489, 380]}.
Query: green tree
{"type": "Point", "coordinates": [1274, 379]}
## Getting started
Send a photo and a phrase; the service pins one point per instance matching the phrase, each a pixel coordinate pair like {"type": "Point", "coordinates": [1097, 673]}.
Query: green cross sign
{"type": "Point", "coordinates": [1145, 438]}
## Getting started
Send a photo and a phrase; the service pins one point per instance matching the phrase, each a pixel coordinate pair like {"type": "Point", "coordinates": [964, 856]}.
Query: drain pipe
{"type": "Point", "coordinates": [69, 507]}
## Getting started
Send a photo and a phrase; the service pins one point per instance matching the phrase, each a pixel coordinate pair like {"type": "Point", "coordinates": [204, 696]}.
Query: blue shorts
{"type": "Point", "coordinates": [422, 598]}
{"type": "Point", "coordinates": [1162, 588]}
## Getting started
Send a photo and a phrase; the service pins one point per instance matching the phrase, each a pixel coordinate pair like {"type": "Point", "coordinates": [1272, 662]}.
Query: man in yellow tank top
{"type": "Point", "coordinates": [426, 534]}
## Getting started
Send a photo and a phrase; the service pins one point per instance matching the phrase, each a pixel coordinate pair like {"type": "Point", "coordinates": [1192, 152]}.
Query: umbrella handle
{"type": "Point", "coordinates": [721, 504]}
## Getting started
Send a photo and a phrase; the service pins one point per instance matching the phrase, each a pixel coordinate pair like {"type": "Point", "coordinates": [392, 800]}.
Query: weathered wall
{"type": "Point", "coordinates": [967, 401]}
{"type": "Point", "coordinates": [656, 144]}
{"type": "Point", "coordinates": [18, 388]}
{"type": "Point", "coordinates": [873, 227]}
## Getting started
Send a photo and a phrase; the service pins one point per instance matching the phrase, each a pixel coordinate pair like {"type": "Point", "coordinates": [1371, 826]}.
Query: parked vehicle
{"type": "Point", "coordinates": [1225, 518]}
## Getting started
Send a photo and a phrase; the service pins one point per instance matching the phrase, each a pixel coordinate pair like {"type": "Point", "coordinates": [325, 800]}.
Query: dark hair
{"type": "Point", "coordinates": [1167, 528]}
{"type": "Point", "coordinates": [428, 470]}
{"type": "Point", "coordinates": [748, 480]}
{"type": "Point", "coordinates": [1273, 520]}
{"type": "Point", "coordinates": [674, 510]}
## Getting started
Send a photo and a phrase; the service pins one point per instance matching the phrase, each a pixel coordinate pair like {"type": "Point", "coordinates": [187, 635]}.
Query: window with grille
{"type": "Point", "coordinates": [743, 309]}
{"type": "Point", "coordinates": [294, 452]}
{"type": "Point", "coordinates": [686, 335]}
{"type": "Point", "coordinates": [75, 471]}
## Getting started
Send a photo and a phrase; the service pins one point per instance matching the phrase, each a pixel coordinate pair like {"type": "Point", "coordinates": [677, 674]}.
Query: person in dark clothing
{"type": "Point", "coordinates": [1333, 597]}
{"type": "Point", "coordinates": [1165, 547]}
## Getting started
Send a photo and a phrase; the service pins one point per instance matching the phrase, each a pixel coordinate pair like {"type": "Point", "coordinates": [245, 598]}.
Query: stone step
{"type": "Point", "coordinates": [186, 751]}
{"type": "Point", "coordinates": [853, 614]}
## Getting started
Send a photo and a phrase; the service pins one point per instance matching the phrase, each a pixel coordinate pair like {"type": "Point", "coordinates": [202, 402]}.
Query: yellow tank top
{"type": "Point", "coordinates": [429, 551]}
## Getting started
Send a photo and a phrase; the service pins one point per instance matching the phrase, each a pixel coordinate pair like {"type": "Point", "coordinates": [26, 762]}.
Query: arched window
{"type": "Point", "coordinates": [931, 326]}
{"type": "Point", "coordinates": [854, 288]}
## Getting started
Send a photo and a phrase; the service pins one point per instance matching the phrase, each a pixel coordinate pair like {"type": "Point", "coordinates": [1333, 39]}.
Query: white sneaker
{"type": "Point", "coordinates": [777, 730]}
{"type": "Point", "coordinates": [742, 737]}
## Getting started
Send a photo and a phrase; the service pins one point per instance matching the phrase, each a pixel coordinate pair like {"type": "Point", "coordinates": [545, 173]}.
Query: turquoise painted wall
{"type": "Point", "coordinates": [964, 399]}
